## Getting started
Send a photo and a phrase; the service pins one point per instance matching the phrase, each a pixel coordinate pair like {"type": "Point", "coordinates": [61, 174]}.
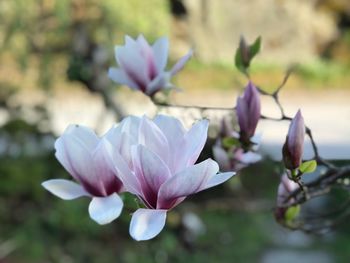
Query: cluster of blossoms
{"type": "Point", "coordinates": [292, 153]}
{"type": "Point", "coordinates": [235, 150]}
{"type": "Point", "coordinates": [155, 159]}
{"type": "Point", "coordinates": [152, 159]}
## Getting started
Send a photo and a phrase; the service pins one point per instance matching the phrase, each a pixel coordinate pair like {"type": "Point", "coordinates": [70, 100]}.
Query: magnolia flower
{"type": "Point", "coordinates": [156, 164]}
{"type": "Point", "coordinates": [83, 155]}
{"type": "Point", "coordinates": [248, 112]}
{"type": "Point", "coordinates": [142, 67]}
{"type": "Point", "coordinates": [294, 146]}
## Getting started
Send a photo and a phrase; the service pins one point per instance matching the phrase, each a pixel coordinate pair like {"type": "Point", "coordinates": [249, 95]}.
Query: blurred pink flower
{"type": "Point", "coordinates": [157, 165]}
{"type": "Point", "coordinates": [294, 146]}
{"type": "Point", "coordinates": [285, 188]}
{"type": "Point", "coordinates": [142, 67]}
{"type": "Point", "coordinates": [82, 153]}
{"type": "Point", "coordinates": [248, 112]}
{"type": "Point", "coordinates": [234, 160]}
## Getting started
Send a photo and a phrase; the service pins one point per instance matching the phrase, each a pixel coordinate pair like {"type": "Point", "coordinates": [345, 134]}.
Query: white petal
{"type": "Point", "coordinates": [65, 189]}
{"type": "Point", "coordinates": [191, 180]}
{"type": "Point", "coordinates": [104, 210]}
{"type": "Point", "coordinates": [181, 63]}
{"type": "Point", "coordinates": [120, 77]}
{"type": "Point", "coordinates": [147, 223]}
{"type": "Point", "coordinates": [153, 138]}
{"type": "Point", "coordinates": [160, 51]}
{"type": "Point", "coordinates": [84, 134]}
{"type": "Point", "coordinates": [194, 141]}
{"type": "Point", "coordinates": [217, 179]}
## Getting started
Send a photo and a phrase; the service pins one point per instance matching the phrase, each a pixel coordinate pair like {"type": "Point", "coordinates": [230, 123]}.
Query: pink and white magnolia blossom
{"type": "Point", "coordinates": [142, 67]}
{"type": "Point", "coordinates": [156, 162]}
{"type": "Point", "coordinates": [82, 153]}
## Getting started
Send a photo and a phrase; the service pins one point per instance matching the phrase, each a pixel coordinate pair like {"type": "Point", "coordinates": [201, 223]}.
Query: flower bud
{"type": "Point", "coordinates": [248, 112]}
{"type": "Point", "coordinates": [294, 146]}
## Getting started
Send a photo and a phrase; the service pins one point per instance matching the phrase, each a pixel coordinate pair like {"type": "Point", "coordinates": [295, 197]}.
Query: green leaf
{"type": "Point", "coordinates": [308, 166]}
{"type": "Point", "coordinates": [292, 212]}
{"type": "Point", "coordinates": [239, 61]}
{"type": "Point", "coordinates": [254, 49]}
{"type": "Point", "coordinates": [228, 142]}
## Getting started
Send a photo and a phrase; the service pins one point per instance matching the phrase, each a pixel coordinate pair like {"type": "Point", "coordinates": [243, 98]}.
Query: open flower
{"type": "Point", "coordinates": [160, 168]}
{"type": "Point", "coordinates": [248, 112]}
{"type": "Point", "coordinates": [82, 153]}
{"type": "Point", "coordinates": [142, 67]}
{"type": "Point", "coordinates": [294, 146]}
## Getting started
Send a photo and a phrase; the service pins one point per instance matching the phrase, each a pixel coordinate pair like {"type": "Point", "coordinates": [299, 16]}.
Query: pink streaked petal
{"type": "Point", "coordinates": [120, 77]}
{"type": "Point", "coordinates": [153, 138]}
{"type": "Point", "coordinates": [104, 167]}
{"type": "Point", "coordinates": [154, 171]}
{"type": "Point", "coordinates": [147, 223]}
{"type": "Point", "coordinates": [134, 65]}
{"type": "Point", "coordinates": [160, 51]}
{"type": "Point", "coordinates": [64, 189]}
{"type": "Point", "coordinates": [217, 179]}
{"type": "Point", "coordinates": [191, 180]}
{"type": "Point", "coordinates": [181, 63]}
{"type": "Point", "coordinates": [79, 160]}
{"type": "Point", "coordinates": [147, 53]}
{"type": "Point", "coordinates": [104, 210]}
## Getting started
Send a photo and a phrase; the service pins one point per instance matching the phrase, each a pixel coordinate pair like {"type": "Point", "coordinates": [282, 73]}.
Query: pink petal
{"type": "Point", "coordinates": [147, 223]}
{"type": "Point", "coordinates": [104, 210]}
{"type": "Point", "coordinates": [191, 180]}
{"type": "Point", "coordinates": [161, 82]}
{"type": "Point", "coordinates": [160, 51]}
{"type": "Point", "coordinates": [64, 189]}
{"type": "Point", "coordinates": [151, 171]}
{"type": "Point", "coordinates": [120, 77]}
{"type": "Point", "coordinates": [181, 63]}
{"type": "Point", "coordinates": [147, 53]}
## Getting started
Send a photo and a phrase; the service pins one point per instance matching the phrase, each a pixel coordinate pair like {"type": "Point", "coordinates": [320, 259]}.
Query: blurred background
{"type": "Point", "coordinates": [54, 55]}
